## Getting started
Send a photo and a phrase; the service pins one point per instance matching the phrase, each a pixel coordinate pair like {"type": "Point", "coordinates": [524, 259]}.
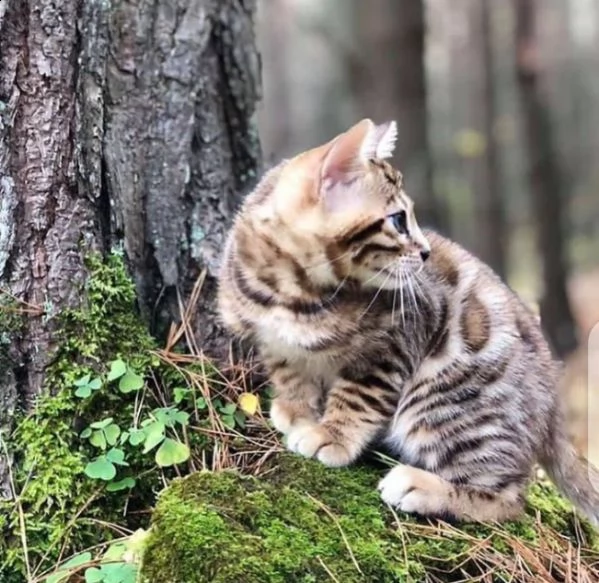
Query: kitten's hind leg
{"type": "Point", "coordinates": [420, 492]}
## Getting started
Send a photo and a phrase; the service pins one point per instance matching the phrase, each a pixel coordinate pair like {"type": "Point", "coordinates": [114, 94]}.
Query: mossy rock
{"type": "Point", "coordinates": [306, 523]}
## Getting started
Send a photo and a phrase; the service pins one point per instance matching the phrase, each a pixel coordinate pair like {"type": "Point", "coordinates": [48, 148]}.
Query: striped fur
{"type": "Point", "coordinates": [374, 331]}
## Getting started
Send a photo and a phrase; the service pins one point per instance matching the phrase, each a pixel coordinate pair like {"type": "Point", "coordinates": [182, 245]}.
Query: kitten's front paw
{"type": "Point", "coordinates": [316, 441]}
{"type": "Point", "coordinates": [413, 490]}
{"type": "Point", "coordinates": [287, 415]}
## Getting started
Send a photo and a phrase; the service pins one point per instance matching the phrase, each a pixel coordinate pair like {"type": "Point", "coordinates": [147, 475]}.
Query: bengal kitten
{"type": "Point", "coordinates": [375, 331]}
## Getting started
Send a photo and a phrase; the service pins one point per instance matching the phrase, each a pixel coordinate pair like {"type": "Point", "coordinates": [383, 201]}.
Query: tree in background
{"type": "Point", "coordinates": [121, 124]}
{"type": "Point", "coordinates": [390, 83]}
{"type": "Point", "coordinates": [489, 212]}
{"type": "Point", "coordinates": [546, 183]}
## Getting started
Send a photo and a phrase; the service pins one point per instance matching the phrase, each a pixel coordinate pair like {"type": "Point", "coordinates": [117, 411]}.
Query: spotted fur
{"type": "Point", "coordinates": [374, 331]}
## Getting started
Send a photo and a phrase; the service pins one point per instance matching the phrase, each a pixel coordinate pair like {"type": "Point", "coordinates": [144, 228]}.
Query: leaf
{"type": "Point", "coordinates": [164, 415]}
{"type": "Point", "coordinates": [115, 551]}
{"type": "Point", "coordinates": [112, 433]}
{"type": "Point", "coordinates": [137, 436]}
{"type": "Point", "coordinates": [248, 403]}
{"type": "Point", "coordinates": [98, 439]}
{"type": "Point", "coordinates": [101, 424]}
{"type": "Point", "coordinates": [119, 573]}
{"type": "Point", "coordinates": [228, 421]}
{"type": "Point", "coordinates": [239, 417]}
{"type": "Point", "coordinates": [154, 435]}
{"type": "Point", "coordinates": [116, 456]}
{"type": "Point", "coordinates": [83, 392]}
{"type": "Point", "coordinates": [83, 381]}
{"type": "Point", "coordinates": [93, 575]}
{"type": "Point", "coordinates": [179, 394]}
{"type": "Point", "coordinates": [95, 384]}
{"type": "Point", "coordinates": [124, 484]}
{"type": "Point", "coordinates": [228, 409]}
{"type": "Point", "coordinates": [201, 403]}
{"type": "Point", "coordinates": [77, 561]}
{"type": "Point", "coordinates": [86, 433]}
{"type": "Point", "coordinates": [100, 469]}
{"type": "Point", "coordinates": [130, 382]}
{"type": "Point", "coordinates": [171, 452]}
{"type": "Point", "coordinates": [181, 417]}
{"type": "Point", "coordinates": [117, 369]}
{"type": "Point", "coordinates": [66, 568]}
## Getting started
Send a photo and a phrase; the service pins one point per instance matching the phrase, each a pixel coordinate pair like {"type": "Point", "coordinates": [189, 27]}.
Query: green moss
{"type": "Point", "coordinates": [48, 453]}
{"type": "Point", "coordinates": [224, 528]}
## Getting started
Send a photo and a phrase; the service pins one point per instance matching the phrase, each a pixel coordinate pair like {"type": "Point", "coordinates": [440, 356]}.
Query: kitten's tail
{"type": "Point", "coordinates": [575, 476]}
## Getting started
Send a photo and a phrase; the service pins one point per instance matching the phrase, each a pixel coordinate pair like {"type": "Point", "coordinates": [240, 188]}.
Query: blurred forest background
{"type": "Point", "coordinates": [497, 104]}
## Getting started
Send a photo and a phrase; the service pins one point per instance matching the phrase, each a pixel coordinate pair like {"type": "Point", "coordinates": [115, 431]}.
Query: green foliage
{"type": "Point", "coordinates": [59, 504]}
{"type": "Point", "coordinates": [304, 522]}
{"type": "Point", "coordinates": [111, 567]}
{"type": "Point", "coordinates": [103, 436]}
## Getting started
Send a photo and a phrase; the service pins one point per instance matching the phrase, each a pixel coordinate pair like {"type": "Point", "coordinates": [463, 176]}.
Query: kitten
{"type": "Point", "coordinates": [372, 330]}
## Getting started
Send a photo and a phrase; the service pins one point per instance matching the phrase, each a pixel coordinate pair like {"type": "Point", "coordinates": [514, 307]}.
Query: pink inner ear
{"type": "Point", "coordinates": [344, 162]}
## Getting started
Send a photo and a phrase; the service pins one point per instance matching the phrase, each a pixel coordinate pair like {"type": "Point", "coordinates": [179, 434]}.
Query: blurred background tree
{"type": "Point", "coordinates": [498, 111]}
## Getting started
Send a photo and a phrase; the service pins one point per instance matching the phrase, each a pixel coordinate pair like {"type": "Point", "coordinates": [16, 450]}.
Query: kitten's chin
{"type": "Point", "coordinates": [391, 278]}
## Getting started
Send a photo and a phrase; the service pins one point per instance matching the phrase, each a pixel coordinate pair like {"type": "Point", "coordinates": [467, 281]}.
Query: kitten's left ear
{"type": "Point", "coordinates": [380, 141]}
{"type": "Point", "coordinates": [351, 151]}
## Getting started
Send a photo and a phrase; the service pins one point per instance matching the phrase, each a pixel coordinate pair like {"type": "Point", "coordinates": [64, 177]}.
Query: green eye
{"type": "Point", "coordinates": [400, 222]}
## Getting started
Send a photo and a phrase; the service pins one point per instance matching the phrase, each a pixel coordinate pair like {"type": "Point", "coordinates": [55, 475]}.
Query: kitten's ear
{"type": "Point", "coordinates": [380, 141]}
{"type": "Point", "coordinates": [350, 152]}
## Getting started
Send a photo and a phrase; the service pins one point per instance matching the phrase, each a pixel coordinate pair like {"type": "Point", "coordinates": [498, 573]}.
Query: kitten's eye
{"type": "Point", "coordinates": [400, 222]}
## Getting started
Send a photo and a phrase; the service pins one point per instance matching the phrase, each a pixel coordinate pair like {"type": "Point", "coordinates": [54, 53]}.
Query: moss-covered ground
{"type": "Point", "coordinates": [296, 522]}
{"type": "Point", "coordinates": [304, 523]}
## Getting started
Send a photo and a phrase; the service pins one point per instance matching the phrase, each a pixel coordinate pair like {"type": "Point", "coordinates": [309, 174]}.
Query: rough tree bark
{"type": "Point", "coordinates": [546, 183]}
{"type": "Point", "coordinates": [126, 123]}
{"type": "Point", "coordinates": [390, 83]}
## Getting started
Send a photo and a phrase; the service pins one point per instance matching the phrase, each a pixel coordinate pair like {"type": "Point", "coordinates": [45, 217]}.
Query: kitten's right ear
{"type": "Point", "coordinates": [344, 160]}
{"type": "Point", "coordinates": [348, 155]}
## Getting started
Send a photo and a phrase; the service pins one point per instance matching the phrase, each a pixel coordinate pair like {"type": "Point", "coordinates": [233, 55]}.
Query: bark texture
{"type": "Point", "coordinates": [546, 183]}
{"type": "Point", "coordinates": [121, 124]}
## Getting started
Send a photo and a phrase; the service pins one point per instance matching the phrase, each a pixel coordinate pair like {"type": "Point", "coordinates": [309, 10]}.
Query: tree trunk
{"type": "Point", "coordinates": [390, 83]}
{"type": "Point", "coordinates": [546, 184]}
{"type": "Point", "coordinates": [123, 123]}
{"type": "Point", "coordinates": [488, 201]}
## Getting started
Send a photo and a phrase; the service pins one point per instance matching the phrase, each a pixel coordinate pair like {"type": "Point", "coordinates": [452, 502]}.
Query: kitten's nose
{"type": "Point", "coordinates": [425, 255]}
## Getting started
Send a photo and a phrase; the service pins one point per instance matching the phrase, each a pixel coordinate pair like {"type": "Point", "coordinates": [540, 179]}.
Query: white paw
{"type": "Point", "coordinates": [335, 455]}
{"type": "Point", "coordinates": [280, 417]}
{"type": "Point", "coordinates": [286, 416]}
{"type": "Point", "coordinates": [306, 439]}
{"type": "Point", "coordinates": [397, 485]}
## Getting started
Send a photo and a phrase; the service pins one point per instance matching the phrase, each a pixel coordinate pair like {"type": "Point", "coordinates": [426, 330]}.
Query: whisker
{"type": "Point", "coordinates": [375, 275]}
{"type": "Point", "coordinates": [337, 289]}
{"type": "Point", "coordinates": [402, 307]}
{"type": "Point", "coordinates": [328, 261]}
{"type": "Point", "coordinates": [410, 282]}
{"type": "Point", "coordinates": [396, 275]}
{"type": "Point", "coordinates": [376, 295]}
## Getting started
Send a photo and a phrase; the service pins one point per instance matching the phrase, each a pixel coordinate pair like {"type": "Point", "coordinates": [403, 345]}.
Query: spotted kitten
{"type": "Point", "coordinates": [375, 331]}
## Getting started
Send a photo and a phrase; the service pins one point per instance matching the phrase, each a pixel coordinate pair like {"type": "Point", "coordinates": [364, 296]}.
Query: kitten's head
{"type": "Point", "coordinates": [341, 212]}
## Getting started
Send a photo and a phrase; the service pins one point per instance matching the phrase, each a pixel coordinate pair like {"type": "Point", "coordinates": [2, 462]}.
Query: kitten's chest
{"type": "Point", "coordinates": [296, 343]}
